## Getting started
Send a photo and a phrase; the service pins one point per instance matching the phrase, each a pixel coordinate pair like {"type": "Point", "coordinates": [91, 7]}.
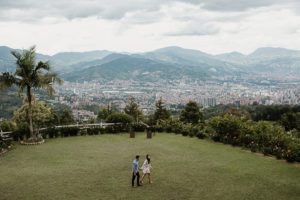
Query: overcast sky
{"type": "Point", "coordinates": [213, 26]}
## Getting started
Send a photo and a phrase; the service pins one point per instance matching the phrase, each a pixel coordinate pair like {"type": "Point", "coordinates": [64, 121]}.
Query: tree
{"type": "Point", "coordinates": [119, 118]}
{"type": "Point", "coordinates": [191, 113]}
{"type": "Point", "coordinates": [42, 115]}
{"type": "Point", "coordinates": [30, 75]}
{"type": "Point", "coordinates": [291, 121]}
{"type": "Point", "coordinates": [132, 109]}
{"type": "Point", "coordinates": [161, 113]}
{"type": "Point", "coordinates": [105, 112]}
{"type": "Point", "coordinates": [7, 125]}
{"type": "Point", "coordinates": [66, 117]}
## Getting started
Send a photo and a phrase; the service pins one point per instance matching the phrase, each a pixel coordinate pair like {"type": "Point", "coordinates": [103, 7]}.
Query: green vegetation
{"type": "Point", "coordinates": [191, 113]}
{"type": "Point", "coordinates": [132, 109]}
{"type": "Point", "coordinates": [10, 101]}
{"type": "Point", "coordinates": [91, 167]}
{"type": "Point", "coordinates": [161, 113]}
{"type": "Point", "coordinates": [28, 76]}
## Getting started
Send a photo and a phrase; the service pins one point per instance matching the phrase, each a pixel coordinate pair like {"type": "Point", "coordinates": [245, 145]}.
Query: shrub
{"type": "Point", "coordinates": [117, 128]}
{"type": "Point", "coordinates": [51, 132]}
{"type": "Point", "coordinates": [21, 132]}
{"type": "Point", "coordinates": [138, 127]}
{"type": "Point", "coordinates": [7, 125]}
{"type": "Point", "coordinates": [159, 128]}
{"type": "Point", "coordinates": [201, 135]}
{"type": "Point", "coordinates": [69, 131]}
{"type": "Point", "coordinates": [292, 154]}
{"type": "Point", "coordinates": [265, 137]}
{"type": "Point", "coordinates": [119, 118]}
{"type": "Point", "coordinates": [227, 129]}
{"type": "Point", "coordinates": [93, 131]}
{"type": "Point", "coordinates": [187, 130]}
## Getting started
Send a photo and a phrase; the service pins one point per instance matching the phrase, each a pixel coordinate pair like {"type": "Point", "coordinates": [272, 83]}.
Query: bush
{"type": "Point", "coordinates": [138, 127]}
{"type": "Point", "coordinates": [93, 131]}
{"type": "Point", "coordinates": [21, 132]}
{"type": "Point", "coordinates": [265, 137]}
{"type": "Point", "coordinates": [7, 125]}
{"type": "Point", "coordinates": [117, 128]}
{"type": "Point", "coordinates": [51, 132]}
{"type": "Point", "coordinates": [68, 131]}
{"type": "Point", "coordinates": [201, 135]}
{"type": "Point", "coordinates": [292, 153]}
{"type": "Point", "coordinates": [119, 118]}
{"type": "Point", "coordinates": [187, 130]}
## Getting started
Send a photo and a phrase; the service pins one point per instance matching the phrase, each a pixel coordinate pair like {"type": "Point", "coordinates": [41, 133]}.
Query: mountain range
{"type": "Point", "coordinates": [167, 63]}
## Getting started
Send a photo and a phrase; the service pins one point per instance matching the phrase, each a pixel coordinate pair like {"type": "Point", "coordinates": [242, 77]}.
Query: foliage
{"type": "Point", "coordinates": [220, 110]}
{"type": "Point", "coordinates": [132, 109]}
{"type": "Point", "coordinates": [271, 113]}
{"type": "Point", "coordinates": [29, 75]}
{"type": "Point", "coordinates": [42, 115]}
{"type": "Point", "coordinates": [9, 102]}
{"type": "Point", "coordinates": [105, 112]}
{"type": "Point", "coordinates": [191, 113]}
{"type": "Point", "coordinates": [7, 125]}
{"type": "Point", "coordinates": [66, 117]}
{"type": "Point", "coordinates": [68, 131]}
{"type": "Point", "coordinates": [95, 131]}
{"type": "Point", "coordinates": [161, 113]}
{"type": "Point", "coordinates": [291, 121]}
{"type": "Point", "coordinates": [138, 127]}
{"type": "Point", "coordinates": [119, 118]}
{"type": "Point", "coordinates": [263, 136]}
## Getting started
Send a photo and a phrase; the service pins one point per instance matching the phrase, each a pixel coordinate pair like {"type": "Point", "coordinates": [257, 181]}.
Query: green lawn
{"type": "Point", "coordinates": [99, 167]}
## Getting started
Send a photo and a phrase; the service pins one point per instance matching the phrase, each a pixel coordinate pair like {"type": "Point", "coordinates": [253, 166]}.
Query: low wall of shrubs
{"type": "Point", "coordinates": [178, 127]}
{"type": "Point", "coordinates": [265, 137]}
{"type": "Point", "coordinates": [53, 132]}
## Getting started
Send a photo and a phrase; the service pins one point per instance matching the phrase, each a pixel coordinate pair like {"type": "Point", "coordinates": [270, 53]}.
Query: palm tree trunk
{"type": "Point", "coordinates": [29, 97]}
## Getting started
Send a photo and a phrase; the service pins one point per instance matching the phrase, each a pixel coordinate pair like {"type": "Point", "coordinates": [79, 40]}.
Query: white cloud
{"type": "Point", "coordinates": [128, 25]}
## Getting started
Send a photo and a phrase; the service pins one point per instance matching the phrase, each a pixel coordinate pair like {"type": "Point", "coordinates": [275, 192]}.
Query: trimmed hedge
{"type": "Point", "coordinates": [265, 137]}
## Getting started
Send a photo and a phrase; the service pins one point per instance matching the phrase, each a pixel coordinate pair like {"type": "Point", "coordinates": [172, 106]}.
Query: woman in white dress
{"type": "Point", "coordinates": [146, 169]}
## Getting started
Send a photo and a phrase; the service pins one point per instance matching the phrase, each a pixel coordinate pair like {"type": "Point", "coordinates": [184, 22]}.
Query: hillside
{"type": "Point", "coordinates": [165, 63]}
{"type": "Point", "coordinates": [135, 68]}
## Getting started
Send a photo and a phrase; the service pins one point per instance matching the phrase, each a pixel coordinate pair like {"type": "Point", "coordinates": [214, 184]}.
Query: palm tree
{"type": "Point", "coordinates": [28, 76]}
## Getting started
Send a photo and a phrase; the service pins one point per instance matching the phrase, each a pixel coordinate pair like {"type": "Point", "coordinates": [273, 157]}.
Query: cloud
{"type": "Point", "coordinates": [234, 5]}
{"type": "Point", "coordinates": [193, 29]}
{"type": "Point", "coordinates": [32, 10]}
{"type": "Point", "coordinates": [142, 25]}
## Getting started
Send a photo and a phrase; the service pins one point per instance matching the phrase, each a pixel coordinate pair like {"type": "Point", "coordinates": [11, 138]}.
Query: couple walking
{"type": "Point", "coordinates": [145, 168]}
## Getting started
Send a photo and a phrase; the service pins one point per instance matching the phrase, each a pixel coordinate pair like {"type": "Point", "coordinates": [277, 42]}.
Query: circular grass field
{"type": "Point", "coordinates": [99, 167]}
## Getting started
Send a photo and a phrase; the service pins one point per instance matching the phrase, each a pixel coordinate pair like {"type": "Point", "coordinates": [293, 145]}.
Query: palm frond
{"type": "Point", "coordinates": [7, 80]}
{"type": "Point", "coordinates": [42, 65]}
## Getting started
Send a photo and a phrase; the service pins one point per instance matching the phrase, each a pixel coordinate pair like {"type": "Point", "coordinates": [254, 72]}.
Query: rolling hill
{"type": "Point", "coordinates": [165, 63]}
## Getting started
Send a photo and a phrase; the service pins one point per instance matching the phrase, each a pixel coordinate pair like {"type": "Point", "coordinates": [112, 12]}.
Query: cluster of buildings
{"type": "Point", "coordinates": [206, 93]}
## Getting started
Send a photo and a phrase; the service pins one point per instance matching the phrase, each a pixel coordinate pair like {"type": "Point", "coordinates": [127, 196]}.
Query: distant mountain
{"type": "Point", "coordinates": [60, 62]}
{"type": "Point", "coordinates": [7, 60]}
{"type": "Point", "coordinates": [165, 63]}
{"type": "Point", "coordinates": [63, 61]}
{"type": "Point", "coordinates": [84, 65]}
{"type": "Point", "coordinates": [271, 53]}
{"type": "Point", "coordinates": [233, 57]}
{"type": "Point", "coordinates": [135, 68]}
{"type": "Point", "coordinates": [183, 56]}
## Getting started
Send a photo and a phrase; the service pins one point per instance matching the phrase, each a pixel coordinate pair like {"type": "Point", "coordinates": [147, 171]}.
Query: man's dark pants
{"type": "Point", "coordinates": [137, 180]}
